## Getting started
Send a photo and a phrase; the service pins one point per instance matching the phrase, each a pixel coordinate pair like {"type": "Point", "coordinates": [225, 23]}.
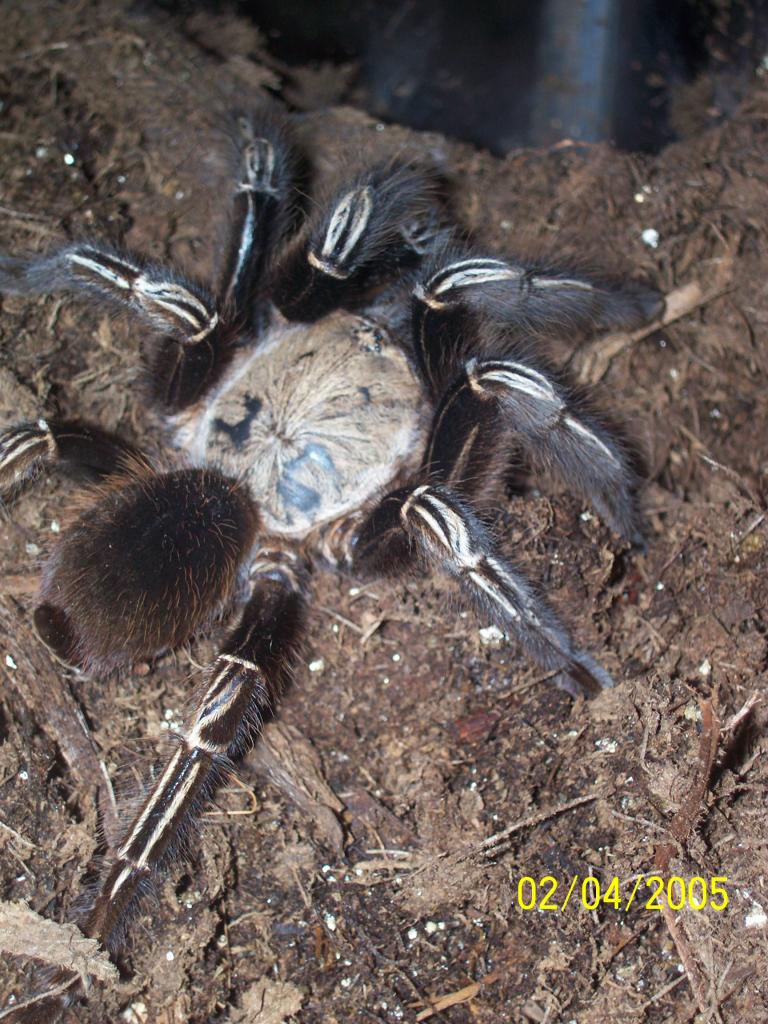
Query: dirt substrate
{"type": "Point", "coordinates": [403, 723]}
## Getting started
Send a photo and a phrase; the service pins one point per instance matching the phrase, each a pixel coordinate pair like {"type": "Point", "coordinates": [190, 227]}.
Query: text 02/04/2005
{"type": "Point", "coordinates": [648, 892]}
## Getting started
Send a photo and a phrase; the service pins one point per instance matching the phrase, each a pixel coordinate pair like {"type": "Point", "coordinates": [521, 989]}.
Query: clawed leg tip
{"type": "Point", "coordinates": [585, 678]}
{"type": "Point", "coordinates": [651, 303]}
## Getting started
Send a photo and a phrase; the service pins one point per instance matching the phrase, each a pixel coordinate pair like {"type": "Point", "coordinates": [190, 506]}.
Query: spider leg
{"type": "Point", "coordinates": [239, 690]}
{"type": "Point", "coordinates": [495, 397]}
{"type": "Point", "coordinates": [196, 340]}
{"type": "Point", "coordinates": [266, 170]}
{"type": "Point", "coordinates": [458, 291]}
{"type": "Point", "coordinates": [30, 448]}
{"type": "Point", "coordinates": [436, 524]}
{"type": "Point", "coordinates": [381, 219]}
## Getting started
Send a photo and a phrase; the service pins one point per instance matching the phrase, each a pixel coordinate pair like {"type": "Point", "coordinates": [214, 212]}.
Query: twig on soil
{"type": "Point", "coordinates": [592, 361]}
{"type": "Point", "coordinates": [25, 933]}
{"type": "Point", "coordinates": [491, 845]}
{"type": "Point", "coordinates": [19, 838]}
{"type": "Point", "coordinates": [744, 712]}
{"type": "Point", "coordinates": [681, 828]}
{"type": "Point", "coordinates": [54, 708]}
{"type": "Point", "coordinates": [463, 995]}
{"type": "Point", "coordinates": [685, 819]}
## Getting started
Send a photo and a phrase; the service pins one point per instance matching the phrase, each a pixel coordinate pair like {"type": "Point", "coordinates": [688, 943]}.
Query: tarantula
{"type": "Point", "coordinates": [352, 392]}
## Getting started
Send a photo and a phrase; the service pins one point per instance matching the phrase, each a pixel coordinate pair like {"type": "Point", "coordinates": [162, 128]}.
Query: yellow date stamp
{"type": "Point", "coordinates": [646, 892]}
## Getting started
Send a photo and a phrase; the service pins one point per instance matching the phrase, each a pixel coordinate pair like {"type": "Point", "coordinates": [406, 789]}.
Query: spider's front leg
{"type": "Point", "coordinates": [184, 312]}
{"type": "Point", "coordinates": [383, 219]}
{"type": "Point", "coordinates": [266, 159]}
{"type": "Point", "coordinates": [457, 285]}
{"type": "Point", "coordinates": [492, 389]}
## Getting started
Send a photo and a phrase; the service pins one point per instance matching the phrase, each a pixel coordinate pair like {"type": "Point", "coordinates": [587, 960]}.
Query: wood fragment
{"type": "Point", "coordinates": [37, 680]}
{"type": "Point", "coordinates": [490, 845]}
{"type": "Point", "coordinates": [680, 830]}
{"type": "Point", "coordinates": [684, 821]}
{"type": "Point", "coordinates": [592, 361]}
{"type": "Point", "coordinates": [25, 933]}
{"type": "Point", "coordinates": [463, 995]}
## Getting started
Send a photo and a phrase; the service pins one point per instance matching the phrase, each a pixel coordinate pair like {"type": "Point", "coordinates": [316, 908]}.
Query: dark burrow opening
{"type": "Point", "coordinates": [509, 73]}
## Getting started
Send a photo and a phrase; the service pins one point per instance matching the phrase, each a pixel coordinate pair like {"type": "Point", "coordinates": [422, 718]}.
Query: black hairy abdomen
{"type": "Point", "coordinates": [145, 567]}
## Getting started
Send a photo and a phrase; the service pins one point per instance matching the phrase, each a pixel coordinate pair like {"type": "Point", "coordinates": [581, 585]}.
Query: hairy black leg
{"type": "Point", "coordinates": [375, 222]}
{"type": "Point", "coordinates": [240, 689]}
{"type": "Point", "coordinates": [433, 523]}
{"type": "Point", "coordinates": [163, 299]}
{"type": "Point", "coordinates": [265, 178]}
{"type": "Point", "coordinates": [31, 448]}
{"type": "Point", "coordinates": [195, 342]}
{"type": "Point", "coordinates": [493, 399]}
{"type": "Point", "coordinates": [459, 293]}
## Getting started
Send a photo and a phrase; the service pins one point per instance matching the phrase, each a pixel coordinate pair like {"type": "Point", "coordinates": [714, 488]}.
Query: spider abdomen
{"type": "Point", "coordinates": [145, 566]}
{"type": "Point", "coordinates": [315, 421]}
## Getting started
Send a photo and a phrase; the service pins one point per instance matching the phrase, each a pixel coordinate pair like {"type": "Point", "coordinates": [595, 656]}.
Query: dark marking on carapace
{"type": "Point", "coordinates": [239, 433]}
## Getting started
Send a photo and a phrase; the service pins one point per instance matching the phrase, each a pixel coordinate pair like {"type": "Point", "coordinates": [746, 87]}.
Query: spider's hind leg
{"type": "Point", "coordinates": [240, 690]}
{"type": "Point", "coordinates": [238, 693]}
{"type": "Point", "coordinates": [32, 448]}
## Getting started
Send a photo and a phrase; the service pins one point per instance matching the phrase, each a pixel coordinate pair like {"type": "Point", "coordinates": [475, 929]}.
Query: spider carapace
{"type": "Point", "coordinates": [352, 392]}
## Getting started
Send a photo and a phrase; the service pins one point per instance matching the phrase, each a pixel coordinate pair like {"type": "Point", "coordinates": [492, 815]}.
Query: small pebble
{"type": "Point", "coordinates": [651, 237]}
{"type": "Point", "coordinates": [491, 636]}
{"type": "Point", "coordinates": [756, 918]}
{"type": "Point", "coordinates": [10, 662]}
{"type": "Point", "coordinates": [607, 745]}
{"type": "Point", "coordinates": [318, 665]}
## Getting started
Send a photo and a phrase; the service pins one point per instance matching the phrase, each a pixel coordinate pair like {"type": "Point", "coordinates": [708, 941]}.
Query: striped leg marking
{"type": "Point", "coordinates": [169, 305]}
{"type": "Point", "coordinates": [231, 704]}
{"type": "Point", "coordinates": [24, 450]}
{"type": "Point", "coordinates": [256, 206]}
{"type": "Point", "coordinates": [441, 289]}
{"type": "Point", "coordinates": [348, 220]}
{"type": "Point", "coordinates": [449, 532]}
{"type": "Point", "coordinates": [584, 455]}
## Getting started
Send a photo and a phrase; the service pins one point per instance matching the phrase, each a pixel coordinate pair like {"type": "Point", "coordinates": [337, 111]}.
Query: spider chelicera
{"type": "Point", "coordinates": [350, 394]}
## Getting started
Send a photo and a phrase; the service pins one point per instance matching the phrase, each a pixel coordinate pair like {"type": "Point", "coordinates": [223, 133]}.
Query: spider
{"type": "Point", "coordinates": [350, 394]}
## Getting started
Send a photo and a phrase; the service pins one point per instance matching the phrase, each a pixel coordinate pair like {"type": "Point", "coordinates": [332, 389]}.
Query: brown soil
{"type": "Point", "coordinates": [425, 740]}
